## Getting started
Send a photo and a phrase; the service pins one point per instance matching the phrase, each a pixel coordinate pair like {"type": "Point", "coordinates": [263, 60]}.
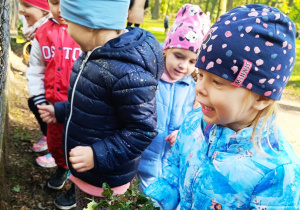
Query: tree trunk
{"type": "Point", "coordinates": [206, 6]}
{"type": "Point", "coordinates": [222, 7]}
{"type": "Point", "coordinates": [168, 5]}
{"type": "Point", "coordinates": [213, 8]}
{"type": "Point", "coordinates": [229, 5]}
{"type": "Point", "coordinates": [155, 14]}
{"type": "Point", "coordinates": [268, 2]}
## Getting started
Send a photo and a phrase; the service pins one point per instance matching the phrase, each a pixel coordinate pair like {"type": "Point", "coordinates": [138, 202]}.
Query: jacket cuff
{"type": "Point", "coordinates": [39, 99]}
{"type": "Point", "coordinates": [59, 110]}
{"type": "Point", "coordinates": [163, 193]}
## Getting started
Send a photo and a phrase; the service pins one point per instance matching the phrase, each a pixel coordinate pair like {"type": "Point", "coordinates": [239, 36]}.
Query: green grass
{"type": "Point", "coordinates": [156, 27]}
{"type": "Point", "coordinates": [293, 87]}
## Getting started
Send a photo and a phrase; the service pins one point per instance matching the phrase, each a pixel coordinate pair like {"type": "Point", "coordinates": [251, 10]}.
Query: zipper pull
{"type": "Point", "coordinates": [83, 62]}
{"type": "Point", "coordinates": [211, 140]}
{"type": "Point", "coordinates": [213, 135]}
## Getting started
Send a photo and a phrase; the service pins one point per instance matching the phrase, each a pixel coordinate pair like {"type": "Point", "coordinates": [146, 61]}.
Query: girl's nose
{"type": "Point", "coordinates": [183, 64]}
{"type": "Point", "coordinates": [200, 87]}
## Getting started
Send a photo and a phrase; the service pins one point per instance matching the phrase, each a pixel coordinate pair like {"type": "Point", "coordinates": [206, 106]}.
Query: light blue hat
{"type": "Point", "coordinates": [97, 14]}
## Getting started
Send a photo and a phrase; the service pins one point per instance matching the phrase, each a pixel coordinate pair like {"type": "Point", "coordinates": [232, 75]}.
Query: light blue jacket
{"type": "Point", "coordinates": [174, 101]}
{"type": "Point", "coordinates": [214, 163]}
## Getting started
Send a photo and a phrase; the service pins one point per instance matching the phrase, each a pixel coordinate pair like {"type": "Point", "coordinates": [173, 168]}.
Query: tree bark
{"type": "Point", "coordinates": [155, 14]}
{"type": "Point", "coordinates": [206, 6]}
{"type": "Point", "coordinates": [212, 8]}
{"type": "Point", "coordinates": [222, 7]}
{"type": "Point", "coordinates": [229, 5]}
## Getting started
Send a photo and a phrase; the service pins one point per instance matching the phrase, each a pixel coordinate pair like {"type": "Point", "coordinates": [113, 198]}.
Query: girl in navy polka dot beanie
{"type": "Point", "coordinates": [230, 154]}
{"type": "Point", "coordinates": [252, 46]}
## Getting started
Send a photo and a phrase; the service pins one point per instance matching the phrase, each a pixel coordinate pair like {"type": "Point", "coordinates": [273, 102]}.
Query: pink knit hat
{"type": "Point", "coordinates": [188, 30]}
{"type": "Point", "coordinates": [41, 4]}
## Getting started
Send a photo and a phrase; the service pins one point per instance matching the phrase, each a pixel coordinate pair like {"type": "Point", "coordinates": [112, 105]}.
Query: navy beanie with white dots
{"type": "Point", "coordinates": [252, 46]}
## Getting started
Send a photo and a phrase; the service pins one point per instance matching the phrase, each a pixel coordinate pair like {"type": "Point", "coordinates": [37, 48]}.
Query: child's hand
{"type": "Point", "coordinates": [172, 138]}
{"type": "Point", "coordinates": [82, 158]}
{"type": "Point", "coordinates": [47, 113]}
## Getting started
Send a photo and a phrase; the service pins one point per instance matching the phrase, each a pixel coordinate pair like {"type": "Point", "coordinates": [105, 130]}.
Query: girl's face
{"type": "Point", "coordinates": [55, 11]}
{"type": "Point", "coordinates": [31, 13]}
{"type": "Point", "coordinates": [224, 104]}
{"type": "Point", "coordinates": [218, 207]}
{"type": "Point", "coordinates": [180, 63]}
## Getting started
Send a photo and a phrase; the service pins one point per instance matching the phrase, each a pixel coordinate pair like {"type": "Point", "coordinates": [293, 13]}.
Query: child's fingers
{"type": "Point", "coordinates": [48, 119]}
{"type": "Point", "coordinates": [45, 114]}
{"type": "Point", "coordinates": [42, 107]}
{"type": "Point", "coordinates": [75, 159]}
{"type": "Point", "coordinates": [167, 138]}
{"type": "Point", "coordinates": [42, 111]}
{"type": "Point", "coordinates": [79, 167]}
{"type": "Point", "coordinates": [172, 141]}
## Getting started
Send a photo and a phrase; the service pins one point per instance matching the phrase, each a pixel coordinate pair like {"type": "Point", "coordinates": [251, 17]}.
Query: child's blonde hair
{"type": "Point", "coordinates": [265, 118]}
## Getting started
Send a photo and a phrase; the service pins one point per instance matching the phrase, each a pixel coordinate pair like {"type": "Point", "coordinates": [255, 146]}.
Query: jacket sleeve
{"type": "Point", "coordinates": [165, 189]}
{"type": "Point", "coordinates": [36, 71]}
{"type": "Point", "coordinates": [279, 189]}
{"type": "Point", "coordinates": [133, 97]}
{"type": "Point", "coordinates": [60, 109]}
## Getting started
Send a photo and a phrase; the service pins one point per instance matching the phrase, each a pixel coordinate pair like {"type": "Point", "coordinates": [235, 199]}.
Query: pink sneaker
{"type": "Point", "coordinates": [41, 145]}
{"type": "Point", "coordinates": [46, 161]}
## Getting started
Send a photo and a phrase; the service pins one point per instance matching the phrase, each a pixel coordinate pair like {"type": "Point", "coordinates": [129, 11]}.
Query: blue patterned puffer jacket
{"type": "Point", "coordinates": [174, 102]}
{"type": "Point", "coordinates": [214, 167]}
{"type": "Point", "coordinates": [111, 106]}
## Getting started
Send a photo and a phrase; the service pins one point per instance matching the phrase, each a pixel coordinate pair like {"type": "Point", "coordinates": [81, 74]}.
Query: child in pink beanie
{"type": "Point", "coordinates": [35, 13]}
{"type": "Point", "coordinates": [176, 88]}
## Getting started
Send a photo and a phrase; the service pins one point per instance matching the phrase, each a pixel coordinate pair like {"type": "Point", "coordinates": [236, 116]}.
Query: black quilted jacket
{"type": "Point", "coordinates": [111, 106]}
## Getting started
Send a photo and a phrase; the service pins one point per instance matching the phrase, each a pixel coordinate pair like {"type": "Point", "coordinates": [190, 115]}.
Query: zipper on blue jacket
{"type": "Point", "coordinates": [71, 105]}
{"type": "Point", "coordinates": [210, 142]}
{"type": "Point", "coordinates": [169, 113]}
{"type": "Point", "coordinates": [211, 139]}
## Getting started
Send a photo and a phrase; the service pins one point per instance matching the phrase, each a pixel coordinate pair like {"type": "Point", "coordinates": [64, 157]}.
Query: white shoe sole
{"type": "Point", "coordinates": [65, 207]}
{"type": "Point", "coordinates": [46, 165]}
{"type": "Point", "coordinates": [56, 188]}
{"type": "Point", "coordinates": [41, 149]}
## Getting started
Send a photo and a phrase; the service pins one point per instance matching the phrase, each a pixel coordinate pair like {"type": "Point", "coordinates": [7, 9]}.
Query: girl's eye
{"type": "Point", "coordinates": [217, 83]}
{"type": "Point", "coordinates": [192, 62]}
{"type": "Point", "coordinates": [26, 5]}
{"type": "Point", "coordinates": [178, 56]}
{"type": "Point", "coordinates": [200, 75]}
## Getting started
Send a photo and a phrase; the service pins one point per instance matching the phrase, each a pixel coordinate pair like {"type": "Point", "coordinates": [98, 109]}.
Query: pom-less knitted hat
{"type": "Point", "coordinates": [188, 30]}
{"type": "Point", "coordinates": [252, 46]}
{"type": "Point", "coordinates": [40, 4]}
{"type": "Point", "coordinates": [97, 14]}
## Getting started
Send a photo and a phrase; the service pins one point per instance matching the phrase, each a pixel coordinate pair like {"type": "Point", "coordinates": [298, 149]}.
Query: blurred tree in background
{"type": "Point", "coordinates": [215, 8]}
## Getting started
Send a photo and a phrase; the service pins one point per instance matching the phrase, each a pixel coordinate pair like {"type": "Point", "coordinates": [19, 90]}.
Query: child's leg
{"type": "Point", "coordinates": [82, 201]}
{"type": "Point", "coordinates": [36, 113]}
{"type": "Point", "coordinates": [54, 138]}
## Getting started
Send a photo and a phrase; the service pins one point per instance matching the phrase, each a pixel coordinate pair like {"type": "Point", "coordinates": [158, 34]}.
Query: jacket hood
{"type": "Point", "coordinates": [134, 47]}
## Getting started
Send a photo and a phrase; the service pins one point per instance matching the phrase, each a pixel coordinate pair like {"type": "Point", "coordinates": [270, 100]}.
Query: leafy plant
{"type": "Point", "coordinates": [16, 189]}
{"type": "Point", "coordinates": [131, 199]}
